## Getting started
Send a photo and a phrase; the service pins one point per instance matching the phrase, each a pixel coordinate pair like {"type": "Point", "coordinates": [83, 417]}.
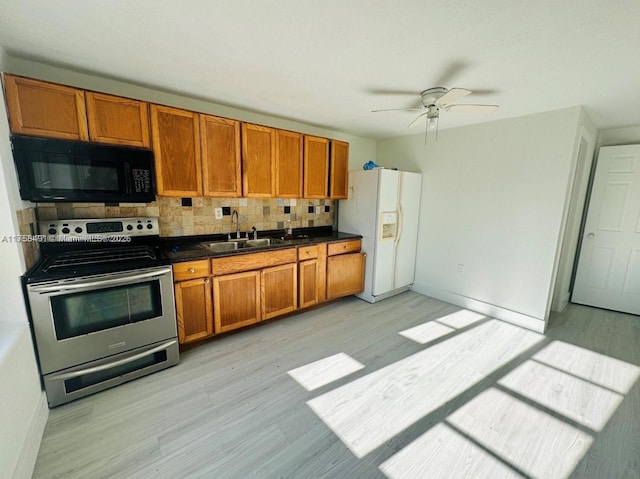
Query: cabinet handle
{"type": "Point", "coordinates": [206, 281]}
{"type": "Point", "coordinates": [191, 270]}
{"type": "Point", "coordinates": [308, 252]}
{"type": "Point", "coordinates": [345, 247]}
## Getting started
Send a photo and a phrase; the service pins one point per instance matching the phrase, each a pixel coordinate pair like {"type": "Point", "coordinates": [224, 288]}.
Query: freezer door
{"type": "Point", "coordinates": [410, 186]}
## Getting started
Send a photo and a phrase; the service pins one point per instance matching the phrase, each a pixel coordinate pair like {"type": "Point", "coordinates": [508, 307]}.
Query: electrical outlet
{"type": "Point", "coordinates": [318, 210]}
{"type": "Point", "coordinates": [460, 268]}
{"type": "Point", "coordinates": [218, 213]}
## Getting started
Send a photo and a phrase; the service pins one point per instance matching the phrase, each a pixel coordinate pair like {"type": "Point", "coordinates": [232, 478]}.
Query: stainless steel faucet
{"type": "Point", "coordinates": [234, 220]}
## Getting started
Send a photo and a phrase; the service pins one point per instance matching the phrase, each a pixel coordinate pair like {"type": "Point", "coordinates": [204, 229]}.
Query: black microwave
{"type": "Point", "coordinates": [51, 170]}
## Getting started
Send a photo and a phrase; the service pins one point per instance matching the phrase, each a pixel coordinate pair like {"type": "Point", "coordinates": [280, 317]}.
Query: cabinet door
{"type": "Point", "coordinates": [176, 144]}
{"type": "Point", "coordinates": [279, 292]}
{"type": "Point", "coordinates": [45, 109]}
{"type": "Point", "coordinates": [220, 156]}
{"type": "Point", "coordinates": [339, 177]}
{"type": "Point", "coordinates": [194, 310]}
{"type": "Point", "coordinates": [236, 300]}
{"type": "Point", "coordinates": [117, 120]}
{"type": "Point", "coordinates": [308, 278]}
{"type": "Point", "coordinates": [258, 165]}
{"type": "Point", "coordinates": [345, 275]}
{"type": "Point", "coordinates": [288, 164]}
{"type": "Point", "coordinates": [316, 167]}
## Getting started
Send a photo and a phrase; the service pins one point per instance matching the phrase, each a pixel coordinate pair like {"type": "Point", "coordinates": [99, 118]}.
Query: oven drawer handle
{"type": "Point", "coordinates": [119, 362]}
{"type": "Point", "coordinates": [99, 284]}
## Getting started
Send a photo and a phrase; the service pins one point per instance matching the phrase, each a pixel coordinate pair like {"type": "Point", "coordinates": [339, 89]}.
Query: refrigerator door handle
{"type": "Point", "coordinates": [398, 230]}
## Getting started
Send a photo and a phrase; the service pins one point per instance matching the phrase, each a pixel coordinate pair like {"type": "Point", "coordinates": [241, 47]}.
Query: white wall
{"type": "Point", "coordinates": [619, 136]}
{"type": "Point", "coordinates": [493, 199]}
{"type": "Point", "coordinates": [23, 411]}
{"type": "Point", "coordinates": [361, 149]}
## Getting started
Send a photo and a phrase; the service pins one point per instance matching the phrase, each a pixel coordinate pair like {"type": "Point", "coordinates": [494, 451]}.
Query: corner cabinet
{"type": "Point", "coordinates": [176, 143]}
{"type": "Point", "coordinates": [45, 109]}
{"type": "Point", "coordinates": [258, 161]}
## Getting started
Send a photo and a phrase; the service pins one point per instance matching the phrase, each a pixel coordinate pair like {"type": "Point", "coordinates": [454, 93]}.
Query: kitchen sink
{"type": "Point", "coordinates": [220, 246]}
{"type": "Point", "coordinates": [256, 243]}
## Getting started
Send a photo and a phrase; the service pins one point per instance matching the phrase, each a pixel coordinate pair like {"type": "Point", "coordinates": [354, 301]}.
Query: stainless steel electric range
{"type": "Point", "coordinates": [101, 305]}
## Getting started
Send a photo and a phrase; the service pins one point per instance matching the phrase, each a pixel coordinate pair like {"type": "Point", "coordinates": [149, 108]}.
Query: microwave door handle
{"type": "Point", "coordinates": [98, 284]}
{"type": "Point", "coordinates": [120, 362]}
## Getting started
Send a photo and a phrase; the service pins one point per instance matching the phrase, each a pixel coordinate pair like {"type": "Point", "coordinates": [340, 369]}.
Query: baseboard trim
{"type": "Point", "coordinates": [27, 460]}
{"type": "Point", "coordinates": [513, 317]}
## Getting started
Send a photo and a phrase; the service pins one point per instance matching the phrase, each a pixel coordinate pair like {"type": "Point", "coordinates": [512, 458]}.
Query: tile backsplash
{"type": "Point", "coordinates": [199, 218]}
{"type": "Point", "coordinates": [28, 227]}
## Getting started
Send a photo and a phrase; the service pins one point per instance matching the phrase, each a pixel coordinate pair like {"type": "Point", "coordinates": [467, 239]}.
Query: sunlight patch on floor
{"type": "Point", "coordinates": [434, 329]}
{"type": "Point", "coordinates": [443, 453]}
{"type": "Point", "coordinates": [598, 368]}
{"type": "Point", "coordinates": [575, 398]}
{"type": "Point", "coordinates": [372, 409]}
{"type": "Point", "coordinates": [324, 371]}
{"type": "Point", "coordinates": [530, 439]}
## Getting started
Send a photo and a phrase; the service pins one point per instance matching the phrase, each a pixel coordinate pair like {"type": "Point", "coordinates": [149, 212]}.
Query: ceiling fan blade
{"type": "Point", "coordinates": [471, 108]}
{"type": "Point", "coordinates": [417, 108]}
{"type": "Point", "coordinates": [420, 119]}
{"type": "Point", "coordinates": [452, 95]}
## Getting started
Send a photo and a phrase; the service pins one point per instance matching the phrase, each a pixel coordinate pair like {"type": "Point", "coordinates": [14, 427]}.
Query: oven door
{"type": "Point", "coordinates": [79, 320]}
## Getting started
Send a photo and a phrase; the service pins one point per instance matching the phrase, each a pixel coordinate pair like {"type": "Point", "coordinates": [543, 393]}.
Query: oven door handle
{"type": "Point", "coordinates": [98, 284]}
{"type": "Point", "coordinates": [119, 362]}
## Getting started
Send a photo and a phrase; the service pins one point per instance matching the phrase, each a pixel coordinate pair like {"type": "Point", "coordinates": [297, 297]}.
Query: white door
{"type": "Point", "coordinates": [608, 274]}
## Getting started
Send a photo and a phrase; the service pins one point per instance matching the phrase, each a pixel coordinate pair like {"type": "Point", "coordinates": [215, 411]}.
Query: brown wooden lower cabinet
{"type": "Point", "coordinates": [219, 295]}
{"type": "Point", "coordinates": [308, 279]}
{"type": "Point", "coordinates": [345, 274]}
{"type": "Point", "coordinates": [279, 290]}
{"type": "Point", "coordinates": [194, 309]}
{"type": "Point", "coordinates": [237, 300]}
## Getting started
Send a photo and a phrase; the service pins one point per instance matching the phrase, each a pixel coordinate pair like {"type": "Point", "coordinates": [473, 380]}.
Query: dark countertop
{"type": "Point", "coordinates": [189, 248]}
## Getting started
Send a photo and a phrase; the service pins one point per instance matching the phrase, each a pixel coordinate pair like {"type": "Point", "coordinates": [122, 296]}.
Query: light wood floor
{"type": "Point", "coordinates": [456, 395]}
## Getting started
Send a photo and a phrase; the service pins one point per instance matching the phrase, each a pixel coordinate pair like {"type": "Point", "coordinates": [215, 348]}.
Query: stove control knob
{"type": "Point", "coordinates": [52, 231]}
{"type": "Point", "coordinates": [66, 230]}
{"type": "Point", "coordinates": [139, 227]}
{"type": "Point", "coordinates": [78, 229]}
{"type": "Point", "coordinates": [129, 227]}
{"type": "Point", "coordinates": [149, 226]}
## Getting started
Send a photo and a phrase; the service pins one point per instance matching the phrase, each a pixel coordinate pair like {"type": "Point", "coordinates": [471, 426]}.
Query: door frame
{"type": "Point", "coordinates": [581, 184]}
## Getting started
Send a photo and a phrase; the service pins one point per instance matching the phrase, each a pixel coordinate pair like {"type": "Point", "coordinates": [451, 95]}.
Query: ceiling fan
{"type": "Point", "coordinates": [439, 98]}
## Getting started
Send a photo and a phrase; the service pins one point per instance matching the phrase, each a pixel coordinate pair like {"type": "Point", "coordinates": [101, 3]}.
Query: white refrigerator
{"type": "Point", "coordinates": [383, 206]}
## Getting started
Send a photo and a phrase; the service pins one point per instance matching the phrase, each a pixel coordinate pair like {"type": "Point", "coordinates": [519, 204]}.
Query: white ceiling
{"type": "Point", "coordinates": [329, 62]}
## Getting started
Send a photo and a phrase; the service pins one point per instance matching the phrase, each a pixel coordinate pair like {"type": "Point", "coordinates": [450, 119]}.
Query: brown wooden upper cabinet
{"type": "Point", "coordinates": [45, 109]}
{"type": "Point", "coordinates": [316, 167]}
{"type": "Point", "coordinates": [176, 143]}
{"type": "Point", "coordinates": [339, 171]}
{"type": "Point", "coordinates": [117, 120]}
{"type": "Point", "coordinates": [220, 139]}
{"type": "Point", "coordinates": [258, 161]}
{"type": "Point", "coordinates": [288, 164]}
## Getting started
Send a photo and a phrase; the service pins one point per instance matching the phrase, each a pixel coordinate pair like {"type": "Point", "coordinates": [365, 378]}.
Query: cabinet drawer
{"type": "Point", "coordinates": [191, 269]}
{"type": "Point", "coordinates": [350, 246]}
{"type": "Point", "coordinates": [248, 262]}
{"type": "Point", "coordinates": [308, 252]}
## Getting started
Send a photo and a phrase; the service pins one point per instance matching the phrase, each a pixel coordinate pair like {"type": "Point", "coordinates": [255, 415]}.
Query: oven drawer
{"type": "Point", "coordinates": [79, 381]}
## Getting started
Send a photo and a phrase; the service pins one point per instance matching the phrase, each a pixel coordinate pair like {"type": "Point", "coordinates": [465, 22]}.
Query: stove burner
{"type": "Point", "coordinates": [73, 259]}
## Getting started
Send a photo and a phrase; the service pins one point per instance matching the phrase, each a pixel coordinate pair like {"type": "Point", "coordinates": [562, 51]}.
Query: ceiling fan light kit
{"type": "Point", "coordinates": [439, 98]}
